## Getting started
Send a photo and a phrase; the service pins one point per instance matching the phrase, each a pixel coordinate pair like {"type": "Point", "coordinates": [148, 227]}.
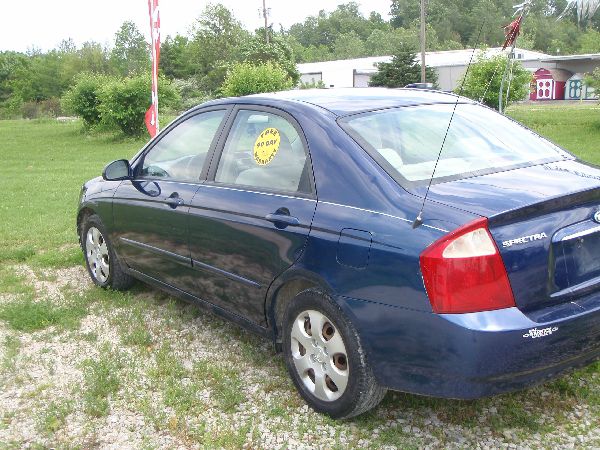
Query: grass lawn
{"type": "Point", "coordinates": [43, 165]}
{"type": "Point", "coordinates": [574, 126]}
{"type": "Point", "coordinates": [83, 367]}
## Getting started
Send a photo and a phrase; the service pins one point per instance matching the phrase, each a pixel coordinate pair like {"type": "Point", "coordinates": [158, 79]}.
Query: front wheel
{"type": "Point", "coordinates": [100, 258]}
{"type": "Point", "coordinates": [325, 358]}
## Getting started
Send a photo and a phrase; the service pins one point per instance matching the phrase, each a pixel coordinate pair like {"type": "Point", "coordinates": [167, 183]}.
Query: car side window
{"type": "Point", "coordinates": [181, 153]}
{"type": "Point", "coordinates": [264, 150]}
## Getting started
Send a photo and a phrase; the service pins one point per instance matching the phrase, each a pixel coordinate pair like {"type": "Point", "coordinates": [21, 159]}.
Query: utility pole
{"type": "Point", "coordinates": [422, 41]}
{"type": "Point", "coordinates": [265, 14]}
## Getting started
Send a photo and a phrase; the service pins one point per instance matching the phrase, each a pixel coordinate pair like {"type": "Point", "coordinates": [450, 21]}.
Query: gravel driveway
{"type": "Point", "coordinates": [82, 367]}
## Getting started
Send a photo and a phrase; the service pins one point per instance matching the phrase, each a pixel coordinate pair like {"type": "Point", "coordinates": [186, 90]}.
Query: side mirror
{"type": "Point", "coordinates": [117, 170]}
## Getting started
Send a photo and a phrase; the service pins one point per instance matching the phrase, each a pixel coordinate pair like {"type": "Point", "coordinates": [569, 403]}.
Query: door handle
{"type": "Point", "coordinates": [279, 219]}
{"type": "Point", "coordinates": [174, 200]}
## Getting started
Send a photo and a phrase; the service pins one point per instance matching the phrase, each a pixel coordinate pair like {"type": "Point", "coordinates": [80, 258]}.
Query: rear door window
{"type": "Point", "coordinates": [264, 151]}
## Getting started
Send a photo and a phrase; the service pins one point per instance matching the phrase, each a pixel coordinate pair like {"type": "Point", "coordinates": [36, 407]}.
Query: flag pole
{"type": "Point", "coordinates": [151, 117]}
{"type": "Point", "coordinates": [423, 41]}
{"type": "Point", "coordinates": [266, 15]}
{"type": "Point", "coordinates": [155, 87]}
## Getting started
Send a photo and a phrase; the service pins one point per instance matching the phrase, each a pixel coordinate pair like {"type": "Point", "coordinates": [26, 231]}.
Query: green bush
{"type": "Point", "coordinates": [12, 108]}
{"type": "Point", "coordinates": [83, 99]}
{"type": "Point", "coordinates": [485, 76]}
{"type": "Point", "coordinates": [123, 103]}
{"type": "Point", "coordinates": [246, 78]}
{"type": "Point", "coordinates": [319, 84]}
{"type": "Point", "coordinates": [30, 110]}
{"type": "Point", "coordinates": [115, 104]}
{"type": "Point", "coordinates": [49, 108]}
{"type": "Point", "coordinates": [191, 94]}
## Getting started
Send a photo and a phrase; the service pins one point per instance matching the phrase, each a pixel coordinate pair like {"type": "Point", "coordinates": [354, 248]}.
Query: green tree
{"type": "Point", "coordinates": [93, 58]}
{"type": "Point", "coordinates": [347, 18]}
{"type": "Point", "coordinates": [326, 28]}
{"type": "Point", "coordinates": [130, 54]}
{"type": "Point", "coordinates": [589, 42]}
{"type": "Point", "coordinates": [48, 75]}
{"type": "Point", "coordinates": [175, 57]}
{"type": "Point", "coordinates": [246, 78]}
{"type": "Point", "coordinates": [12, 64]}
{"type": "Point", "coordinates": [41, 78]}
{"type": "Point", "coordinates": [403, 69]}
{"type": "Point", "coordinates": [456, 20]}
{"type": "Point", "coordinates": [349, 45]}
{"type": "Point", "coordinates": [593, 79]}
{"type": "Point", "coordinates": [308, 54]}
{"type": "Point", "coordinates": [385, 42]}
{"type": "Point", "coordinates": [460, 21]}
{"type": "Point", "coordinates": [256, 50]}
{"type": "Point", "coordinates": [216, 39]}
{"type": "Point", "coordinates": [404, 12]}
{"type": "Point", "coordinates": [482, 82]}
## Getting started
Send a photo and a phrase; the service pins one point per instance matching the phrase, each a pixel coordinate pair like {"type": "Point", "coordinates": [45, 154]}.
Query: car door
{"type": "Point", "coordinates": [250, 220]}
{"type": "Point", "coordinates": [150, 211]}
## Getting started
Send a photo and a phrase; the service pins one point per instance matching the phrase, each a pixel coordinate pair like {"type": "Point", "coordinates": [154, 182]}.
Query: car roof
{"type": "Point", "coordinates": [343, 101]}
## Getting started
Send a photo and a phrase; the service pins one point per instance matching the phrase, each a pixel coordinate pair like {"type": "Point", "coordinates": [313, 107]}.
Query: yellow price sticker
{"type": "Point", "coordinates": [266, 146]}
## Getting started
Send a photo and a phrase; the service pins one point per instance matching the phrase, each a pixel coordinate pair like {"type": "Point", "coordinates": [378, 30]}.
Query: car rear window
{"type": "Point", "coordinates": [479, 140]}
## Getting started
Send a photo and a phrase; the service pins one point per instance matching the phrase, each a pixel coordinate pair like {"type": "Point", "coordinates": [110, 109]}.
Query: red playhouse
{"type": "Point", "coordinates": [549, 84]}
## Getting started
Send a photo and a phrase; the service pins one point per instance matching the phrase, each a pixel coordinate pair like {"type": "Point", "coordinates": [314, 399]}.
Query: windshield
{"type": "Point", "coordinates": [479, 140]}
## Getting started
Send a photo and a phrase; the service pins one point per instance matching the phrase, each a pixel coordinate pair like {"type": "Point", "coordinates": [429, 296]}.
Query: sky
{"type": "Point", "coordinates": [44, 24]}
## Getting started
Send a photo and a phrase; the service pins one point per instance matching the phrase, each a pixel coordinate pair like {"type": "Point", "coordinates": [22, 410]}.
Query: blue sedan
{"type": "Point", "coordinates": [293, 214]}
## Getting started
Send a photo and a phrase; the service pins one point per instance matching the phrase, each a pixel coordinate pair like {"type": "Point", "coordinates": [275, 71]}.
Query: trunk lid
{"type": "Point", "coordinates": [546, 223]}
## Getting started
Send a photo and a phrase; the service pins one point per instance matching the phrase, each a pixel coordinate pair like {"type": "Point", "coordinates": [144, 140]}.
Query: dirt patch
{"type": "Point", "coordinates": [52, 283]}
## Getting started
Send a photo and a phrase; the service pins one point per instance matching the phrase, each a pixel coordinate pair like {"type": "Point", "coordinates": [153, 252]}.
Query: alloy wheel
{"type": "Point", "coordinates": [97, 255]}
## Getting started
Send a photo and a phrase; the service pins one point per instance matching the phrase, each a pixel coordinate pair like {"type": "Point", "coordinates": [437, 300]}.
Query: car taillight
{"type": "Point", "coordinates": [464, 272]}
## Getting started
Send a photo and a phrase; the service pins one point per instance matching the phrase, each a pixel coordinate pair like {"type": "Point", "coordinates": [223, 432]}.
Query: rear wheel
{"type": "Point", "coordinates": [100, 258]}
{"type": "Point", "coordinates": [325, 359]}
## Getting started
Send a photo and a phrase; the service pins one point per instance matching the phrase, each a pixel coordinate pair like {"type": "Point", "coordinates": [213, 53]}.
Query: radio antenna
{"type": "Point", "coordinates": [419, 219]}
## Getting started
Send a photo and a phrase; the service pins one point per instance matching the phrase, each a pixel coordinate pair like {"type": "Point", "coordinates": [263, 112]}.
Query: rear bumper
{"type": "Point", "coordinates": [473, 355]}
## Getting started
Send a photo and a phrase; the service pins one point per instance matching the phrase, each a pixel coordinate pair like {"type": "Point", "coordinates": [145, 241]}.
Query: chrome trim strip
{"type": "Point", "coordinates": [258, 192]}
{"type": "Point", "coordinates": [208, 268]}
{"type": "Point", "coordinates": [382, 214]}
{"type": "Point", "coordinates": [578, 289]}
{"type": "Point", "coordinates": [581, 233]}
{"type": "Point", "coordinates": [162, 180]}
{"type": "Point", "coordinates": [159, 251]}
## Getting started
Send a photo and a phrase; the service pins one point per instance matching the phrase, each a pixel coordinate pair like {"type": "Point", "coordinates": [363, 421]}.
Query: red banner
{"type": "Point", "coordinates": [152, 113]}
{"type": "Point", "coordinates": [511, 31]}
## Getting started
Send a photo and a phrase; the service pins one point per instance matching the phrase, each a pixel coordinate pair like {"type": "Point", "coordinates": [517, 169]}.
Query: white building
{"type": "Point", "coordinates": [573, 63]}
{"type": "Point", "coordinates": [449, 65]}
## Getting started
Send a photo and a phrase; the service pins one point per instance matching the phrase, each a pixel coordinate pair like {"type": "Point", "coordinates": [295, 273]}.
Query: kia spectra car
{"type": "Point", "coordinates": [293, 214]}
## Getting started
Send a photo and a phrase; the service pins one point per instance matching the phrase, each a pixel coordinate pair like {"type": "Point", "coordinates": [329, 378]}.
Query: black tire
{"type": "Point", "coordinates": [361, 392]}
{"type": "Point", "coordinates": [116, 278]}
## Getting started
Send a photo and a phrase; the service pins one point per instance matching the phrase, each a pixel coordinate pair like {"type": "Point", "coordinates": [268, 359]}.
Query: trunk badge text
{"type": "Point", "coordinates": [530, 238]}
{"type": "Point", "coordinates": [536, 333]}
